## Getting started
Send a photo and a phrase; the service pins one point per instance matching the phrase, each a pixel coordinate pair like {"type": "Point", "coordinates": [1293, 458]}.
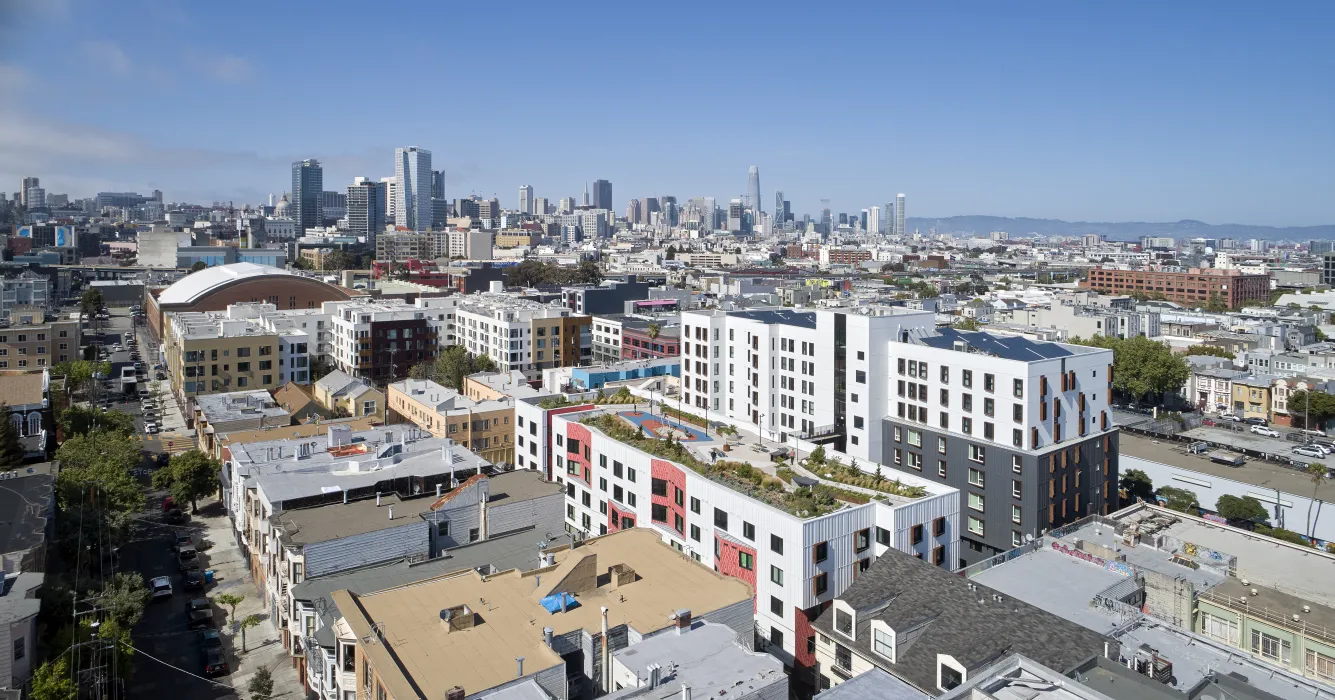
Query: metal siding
{"type": "Point", "coordinates": [544, 514]}
{"type": "Point", "coordinates": [461, 519]}
{"type": "Point", "coordinates": [738, 617]}
{"type": "Point", "coordinates": [359, 550]}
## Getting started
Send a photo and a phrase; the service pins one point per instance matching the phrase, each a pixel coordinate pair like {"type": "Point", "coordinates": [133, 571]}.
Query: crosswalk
{"type": "Point", "coordinates": [171, 443]}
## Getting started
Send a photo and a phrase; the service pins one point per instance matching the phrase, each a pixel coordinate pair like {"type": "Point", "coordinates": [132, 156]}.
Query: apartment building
{"type": "Point", "coordinates": [1195, 287]}
{"type": "Point", "coordinates": [606, 337]}
{"type": "Point", "coordinates": [953, 407]}
{"type": "Point", "coordinates": [379, 341]}
{"type": "Point", "coordinates": [343, 395]}
{"type": "Point", "coordinates": [798, 548]}
{"type": "Point", "coordinates": [486, 427]}
{"type": "Point", "coordinates": [607, 298]}
{"type": "Point", "coordinates": [546, 632]}
{"type": "Point", "coordinates": [844, 255]}
{"type": "Point", "coordinates": [24, 289]}
{"type": "Point", "coordinates": [518, 334]}
{"type": "Point", "coordinates": [36, 338]}
{"type": "Point", "coordinates": [1089, 321]}
{"type": "Point", "coordinates": [210, 352]}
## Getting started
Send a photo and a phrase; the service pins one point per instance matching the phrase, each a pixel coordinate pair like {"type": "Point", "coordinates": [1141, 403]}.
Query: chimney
{"type": "Point", "coordinates": [519, 667]}
{"type": "Point", "coordinates": [655, 675]}
{"type": "Point", "coordinates": [686, 692]}
{"type": "Point", "coordinates": [547, 636]}
{"type": "Point", "coordinates": [607, 667]}
{"type": "Point", "coordinates": [455, 693]}
{"type": "Point", "coordinates": [683, 619]}
{"type": "Point", "coordinates": [391, 511]}
{"type": "Point", "coordinates": [377, 499]}
{"type": "Point", "coordinates": [345, 497]}
{"type": "Point", "coordinates": [437, 489]}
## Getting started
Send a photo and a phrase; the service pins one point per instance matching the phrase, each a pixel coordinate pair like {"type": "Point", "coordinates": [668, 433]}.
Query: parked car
{"type": "Point", "coordinates": [1255, 421]}
{"type": "Point", "coordinates": [215, 663]}
{"type": "Point", "coordinates": [187, 559]}
{"type": "Point", "coordinates": [1329, 447]}
{"type": "Point", "coordinates": [163, 459]}
{"type": "Point", "coordinates": [160, 376]}
{"type": "Point", "coordinates": [168, 503]}
{"type": "Point", "coordinates": [1262, 430]}
{"type": "Point", "coordinates": [210, 639]}
{"type": "Point", "coordinates": [1230, 417]}
{"type": "Point", "coordinates": [192, 580]}
{"type": "Point", "coordinates": [198, 614]}
{"type": "Point", "coordinates": [160, 588]}
{"type": "Point", "coordinates": [1308, 451]}
{"type": "Point", "coordinates": [151, 428]}
{"type": "Point", "coordinates": [174, 517]}
{"type": "Point", "coordinates": [181, 539]}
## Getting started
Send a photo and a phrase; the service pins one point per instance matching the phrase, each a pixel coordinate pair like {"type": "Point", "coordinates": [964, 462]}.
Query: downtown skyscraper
{"type": "Point", "coordinates": [602, 194]}
{"type": "Point", "coordinates": [412, 205]}
{"type": "Point", "coordinates": [366, 208]}
{"type": "Point", "coordinates": [307, 195]}
{"type": "Point", "coordinates": [900, 228]}
{"type": "Point", "coordinates": [526, 199]}
{"type": "Point", "coordinates": [753, 189]}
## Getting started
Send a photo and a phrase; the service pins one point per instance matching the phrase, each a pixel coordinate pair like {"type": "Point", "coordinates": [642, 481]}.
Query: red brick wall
{"type": "Point", "coordinates": [803, 631]}
{"type": "Point", "coordinates": [306, 291]}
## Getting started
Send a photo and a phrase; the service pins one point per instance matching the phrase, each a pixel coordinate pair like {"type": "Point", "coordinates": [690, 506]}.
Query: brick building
{"type": "Point", "coordinates": [215, 288]}
{"type": "Point", "coordinates": [1194, 287]}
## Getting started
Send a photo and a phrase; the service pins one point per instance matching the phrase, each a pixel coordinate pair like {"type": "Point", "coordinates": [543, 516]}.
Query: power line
{"type": "Point", "coordinates": [174, 667]}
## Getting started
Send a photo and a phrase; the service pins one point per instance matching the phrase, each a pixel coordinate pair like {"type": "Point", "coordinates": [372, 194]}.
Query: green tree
{"type": "Point", "coordinates": [199, 265]}
{"type": "Point", "coordinates": [90, 302]}
{"type": "Point", "coordinates": [1280, 533]}
{"type": "Point", "coordinates": [1142, 366]}
{"type": "Point", "coordinates": [1216, 304]}
{"type": "Point", "coordinates": [1180, 500]}
{"type": "Point", "coordinates": [190, 476]}
{"type": "Point", "coordinates": [245, 624]}
{"type": "Point", "coordinates": [654, 330]}
{"type": "Point", "coordinates": [11, 452]}
{"type": "Point", "coordinates": [51, 681]}
{"type": "Point", "coordinates": [671, 253]}
{"type": "Point", "coordinates": [422, 370]}
{"type": "Point", "coordinates": [455, 363]}
{"type": "Point", "coordinates": [124, 598]}
{"type": "Point", "coordinates": [1246, 509]}
{"type": "Point", "coordinates": [1137, 485]}
{"type": "Point", "coordinates": [81, 420]}
{"type": "Point", "coordinates": [967, 324]}
{"type": "Point", "coordinates": [103, 461]}
{"type": "Point", "coordinates": [1208, 351]}
{"type": "Point", "coordinates": [1315, 408]}
{"type": "Point", "coordinates": [1317, 474]}
{"type": "Point", "coordinates": [817, 455]}
{"type": "Point", "coordinates": [320, 368]}
{"type": "Point", "coordinates": [261, 685]}
{"type": "Point", "coordinates": [231, 600]}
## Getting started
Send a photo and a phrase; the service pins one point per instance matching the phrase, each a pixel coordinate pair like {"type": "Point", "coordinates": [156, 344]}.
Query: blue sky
{"type": "Point", "coordinates": [1223, 112]}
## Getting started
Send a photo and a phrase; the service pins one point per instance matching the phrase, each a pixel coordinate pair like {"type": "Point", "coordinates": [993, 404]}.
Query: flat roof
{"type": "Point", "coordinates": [801, 319]}
{"type": "Point", "coordinates": [25, 501]}
{"type": "Point", "coordinates": [874, 684]}
{"type": "Point", "coordinates": [240, 405]}
{"type": "Point", "coordinates": [1257, 473]}
{"type": "Point", "coordinates": [23, 388]}
{"type": "Point", "coordinates": [305, 526]}
{"type": "Point", "coordinates": [429, 659]}
{"type": "Point", "coordinates": [706, 658]}
{"type": "Point", "coordinates": [289, 432]}
{"type": "Point", "coordinates": [1007, 347]}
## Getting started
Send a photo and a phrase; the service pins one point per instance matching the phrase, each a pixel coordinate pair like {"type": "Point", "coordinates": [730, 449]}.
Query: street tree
{"type": "Point", "coordinates": [51, 681]}
{"type": "Point", "coordinates": [967, 324]}
{"type": "Point", "coordinates": [1209, 351]}
{"type": "Point", "coordinates": [1181, 500]}
{"type": "Point", "coordinates": [1311, 409]}
{"type": "Point", "coordinates": [1317, 474]}
{"type": "Point", "coordinates": [1246, 509]}
{"type": "Point", "coordinates": [81, 420]}
{"type": "Point", "coordinates": [231, 600]}
{"type": "Point", "coordinates": [261, 685]}
{"type": "Point", "coordinates": [190, 476]}
{"type": "Point", "coordinates": [124, 598]}
{"type": "Point", "coordinates": [245, 624]}
{"type": "Point", "coordinates": [1137, 485]}
{"type": "Point", "coordinates": [103, 461]}
{"type": "Point", "coordinates": [90, 302]}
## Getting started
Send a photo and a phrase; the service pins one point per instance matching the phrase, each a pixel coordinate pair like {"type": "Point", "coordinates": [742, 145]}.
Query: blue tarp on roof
{"type": "Point", "coordinates": [553, 602]}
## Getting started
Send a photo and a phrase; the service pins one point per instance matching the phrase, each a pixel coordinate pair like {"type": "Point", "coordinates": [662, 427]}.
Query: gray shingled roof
{"type": "Point", "coordinates": [954, 616]}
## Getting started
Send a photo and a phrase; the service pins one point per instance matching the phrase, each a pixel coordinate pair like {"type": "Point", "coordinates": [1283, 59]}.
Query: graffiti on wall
{"type": "Point", "coordinates": [1116, 567]}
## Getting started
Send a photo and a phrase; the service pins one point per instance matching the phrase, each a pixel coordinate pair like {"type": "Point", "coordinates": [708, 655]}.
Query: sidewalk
{"type": "Point", "coordinates": [232, 575]}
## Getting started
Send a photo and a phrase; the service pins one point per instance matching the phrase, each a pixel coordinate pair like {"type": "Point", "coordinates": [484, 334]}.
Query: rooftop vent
{"type": "Point", "coordinates": [457, 618]}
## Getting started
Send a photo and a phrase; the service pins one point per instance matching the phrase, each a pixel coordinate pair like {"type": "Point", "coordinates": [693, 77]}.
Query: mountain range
{"type": "Point", "coordinates": [1120, 231]}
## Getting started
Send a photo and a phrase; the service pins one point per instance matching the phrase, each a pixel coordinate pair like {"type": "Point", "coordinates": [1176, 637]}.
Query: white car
{"type": "Point", "coordinates": [151, 428]}
{"type": "Point", "coordinates": [1230, 417]}
{"type": "Point", "coordinates": [1307, 451]}
{"type": "Point", "coordinates": [1262, 430]}
{"type": "Point", "coordinates": [161, 587]}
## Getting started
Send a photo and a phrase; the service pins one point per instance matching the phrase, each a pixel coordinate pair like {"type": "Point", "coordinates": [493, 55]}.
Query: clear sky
{"type": "Point", "coordinates": [1099, 111]}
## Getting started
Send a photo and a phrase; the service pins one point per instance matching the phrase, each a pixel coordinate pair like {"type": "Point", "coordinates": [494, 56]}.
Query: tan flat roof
{"type": "Point", "coordinates": [296, 431]}
{"type": "Point", "coordinates": [428, 659]}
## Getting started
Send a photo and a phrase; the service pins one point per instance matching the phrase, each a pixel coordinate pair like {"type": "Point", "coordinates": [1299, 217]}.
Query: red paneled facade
{"type": "Point", "coordinates": [731, 558]}
{"type": "Point", "coordinates": [672, 500]}
{"type": "Point", "coordinates": [616, 518]}
{"type": "Point", "coordinates": [577, 454]}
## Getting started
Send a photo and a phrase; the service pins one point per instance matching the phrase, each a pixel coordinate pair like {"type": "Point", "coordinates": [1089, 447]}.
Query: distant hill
{"type": "Point", "coordinates": [1123, 231]}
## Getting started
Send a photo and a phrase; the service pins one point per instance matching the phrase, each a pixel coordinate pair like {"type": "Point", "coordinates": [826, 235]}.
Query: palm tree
{"type": "Point", "coordinates": [1317, 473]}
{"type": "Point", "coordinates": [654, 329]}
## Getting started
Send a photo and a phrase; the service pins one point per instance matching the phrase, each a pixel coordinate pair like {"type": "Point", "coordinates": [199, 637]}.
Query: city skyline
{"type": "Point", "coordinates": [1101, 116]}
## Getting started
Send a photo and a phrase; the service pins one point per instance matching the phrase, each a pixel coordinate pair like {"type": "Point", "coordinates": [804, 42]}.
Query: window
{"type": "Point", "coordinates": [695, 532]}
{"type": "Point", "coordinates": [977, 453]}
{"type": "Point", "coordinates": [967, 378]}
{"type": "Point", "coordinates": [1016, 464]}
{"type": "Point", "coordinates": [862, 540]}
{"type": "Point", "coordinates": [939, 555]}
{"type": "Point", "coordinates": [975, 477]}
{"type": "Point", "coordinates": [1224, 629]}
{"type": "Point", "coordinates": [843, 657]}
{"type": "Point", "coordinates": [1270, 647]}
{"type": "Point", "coordinates": [1015, 514]}
{"type": "Point", "coordinates": [1018, 389]}
{"type": "Point", "coordinates": [20, 648]}
{"type": "Point", "coordinates": [748, 531]}
{"type": "Point", "coordinates": [820, 552]}
{"type": "Point", "coordinates": [917, 531]}
{"type": "Point", "coordinates": [658, 487]}
{"type": "Point", "coordinates": [939, 527]}
{"type": "Point", "coordinates": [746, 560]}
{"type": "Point", "coordinates": [976, 526]}
{"type": "Point", "coordinates": [1015, 488]}
{"type": "Point", "coordinates": [945, 374]}
{"type": "Point", "coordinates": [720, 519]}
{"type": "Point", "coordinates": [966, 402]}
{"type": "Point", "coordinates": [989, 383]}
{"type": "Point", "coordinates": [915, 438]}
{"type": "Point", "coordinates": [966, 426]}
{"type": "Point", "coordinates": [882, 536]}
{"type": "Point", "coordinates": [976, 502]}
{"type": "Point", "coordinates": [776, 544]}
{"type": "Point", "coordinates": [776, 575]}
{"type": "Point", "coordinates": [775, 606]}
{"type": "Point", "coordinates": [820, 584]}
{"type": "Point", "coordinates": [941, 468]}
{"type": "Point", "coordinates": [861, 377]}
{"type": "Point", "coordinates": [883, 643]}
{"type": "Point", "coordinates": [843, 622]}
{"type": "Point", "coordinates": [1017, 412]}
{"type": "Point", "coordinates": [1319, 665]}
{"type": "Point", "coordinates": [989, 407]}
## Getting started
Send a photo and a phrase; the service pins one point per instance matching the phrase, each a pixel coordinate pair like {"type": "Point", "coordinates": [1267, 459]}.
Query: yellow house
{"type": "Point", "coordinates": [486, 427]}
{"type": "Point", "coordinates": [1251, 397]}
{"type": "Point", "coordinates": [347, 397]}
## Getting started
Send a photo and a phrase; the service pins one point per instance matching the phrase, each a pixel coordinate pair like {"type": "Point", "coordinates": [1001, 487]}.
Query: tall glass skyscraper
{"type": "Point", "coordinates": [412, 208]}
{"type": "Point", "coordinates": [900, 228]}
{"type": "Point", "coordinates": [602, 194]}
{"type": "Point", "coordinates": [753, 189]}
{"type": "Point", "coordinates": [366, 208]}
{"type": "Point", "coordinates": [307, 195]}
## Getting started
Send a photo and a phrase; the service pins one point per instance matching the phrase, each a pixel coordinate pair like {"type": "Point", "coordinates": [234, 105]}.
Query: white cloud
{"type": "Point", "coordinates": [108, 56]}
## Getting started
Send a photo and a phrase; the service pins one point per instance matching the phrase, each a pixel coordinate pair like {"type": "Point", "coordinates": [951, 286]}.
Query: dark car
{"type": "Point", "coordinates": [210, 639]}
{"type": "Point", "coordinates": [197, 617]}
{"type": "Point", "coordinates": [163, 459]}
{"type": "Point", "coordinates": [215, 663]}
{"type": "Point", "coordinates": [1255, 421]}
{"type": "Point", "coordinates": [175, 516]}
{"type": "Point", "coordinates": [180, 539]}
{"type": "Point", "coordinates": [192, 580]}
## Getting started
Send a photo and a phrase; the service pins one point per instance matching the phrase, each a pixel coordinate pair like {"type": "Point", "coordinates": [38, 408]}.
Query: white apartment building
{"type": "Point", "coordinates": [797, 559]}
{"type": "Point", "coordinates": [607, 338]}
{"type": "Point", "coordinates": [886, 386]}
{"type": "Point", "coordinates": [24, 289]}
{"type": "Point", "coordinates": [519, 334]}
